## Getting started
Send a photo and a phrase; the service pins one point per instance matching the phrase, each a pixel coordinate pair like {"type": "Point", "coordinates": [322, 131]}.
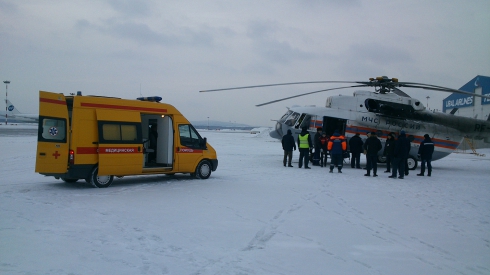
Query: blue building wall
{"type": "Point", "coordinates": [463, 101]}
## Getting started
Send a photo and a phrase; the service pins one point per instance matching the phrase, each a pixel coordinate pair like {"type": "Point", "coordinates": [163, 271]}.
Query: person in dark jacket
{"type": "Point", "coordinates": [402, 147]}
{"type": "Point", "coordinates": [355, 146]}
{"type": "Point", "coordinates": [318, 146]}
{"type": "Point", "coordinates": [304, 145]}
{"type": "Point", "coordinates": [152, 156]}
{"type": "Point", "coordinates": [288, 145]}
{"type": "Point", "coordinates": [371, 148]}
{"type": "Point", "coordinates": [426, 150]}
{"type": "Point", "coordinates": [337, 146]}
{"type": "Point", "coordinates": [389, 151]}
{"type": "Point", "coordinates": [324, 152]}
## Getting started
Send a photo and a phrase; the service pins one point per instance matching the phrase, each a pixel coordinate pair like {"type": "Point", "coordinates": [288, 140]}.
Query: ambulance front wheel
{"type": "Point", "coordinates": [100, 181]}
{"type": "Point", "coordinates": [203, 170]}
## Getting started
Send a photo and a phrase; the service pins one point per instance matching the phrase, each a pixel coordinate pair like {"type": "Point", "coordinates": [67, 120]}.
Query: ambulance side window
{"type": "Point", "coordinates": [189, 136]}
{"type": "Point", "coordinates": [119, 132]}
{"type": "Point", "coordinates": [52, 129]}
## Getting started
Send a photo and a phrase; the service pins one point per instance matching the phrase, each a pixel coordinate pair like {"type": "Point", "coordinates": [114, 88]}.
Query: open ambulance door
{"type": "Point", "coordinates": [52, 140]}
{"type": "Point", "coordinates": [120, 142]}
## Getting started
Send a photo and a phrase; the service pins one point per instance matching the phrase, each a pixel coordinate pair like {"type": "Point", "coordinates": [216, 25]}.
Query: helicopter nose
{"type": "Point", "coordinates": [277, 133]}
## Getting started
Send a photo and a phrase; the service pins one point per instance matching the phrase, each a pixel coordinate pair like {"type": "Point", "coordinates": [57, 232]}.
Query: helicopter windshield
{"type": "Point", "coordinates": [289, 118]}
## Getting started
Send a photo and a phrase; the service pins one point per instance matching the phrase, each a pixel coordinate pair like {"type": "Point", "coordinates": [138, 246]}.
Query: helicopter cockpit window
{"type": "Point", "coordinates": [285, 116]}
{"type": "Point", "coordinates": [291, 120]}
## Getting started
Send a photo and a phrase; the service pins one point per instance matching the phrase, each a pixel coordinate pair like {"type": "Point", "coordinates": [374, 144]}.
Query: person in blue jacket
{"type": "Point", "coordinates": [426, 150]}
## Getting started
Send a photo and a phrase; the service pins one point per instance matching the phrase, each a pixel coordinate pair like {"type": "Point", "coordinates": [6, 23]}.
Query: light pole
{"type": "Point", "coordinates": [208, 123]}
{"type": "Point", "coordinates": [6, 97]}
{"type": "Point", "coordinates": [428, 102]}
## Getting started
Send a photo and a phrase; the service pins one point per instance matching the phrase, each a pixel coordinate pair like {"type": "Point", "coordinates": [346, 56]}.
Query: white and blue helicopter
{"type": "Point", "coordinates": [386, 110]}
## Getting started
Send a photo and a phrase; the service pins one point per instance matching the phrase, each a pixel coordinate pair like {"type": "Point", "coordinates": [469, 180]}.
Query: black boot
{"type": "Point", "coordinates": [421, 174]}
{"type": "Point", "coordinates": [429, 172]}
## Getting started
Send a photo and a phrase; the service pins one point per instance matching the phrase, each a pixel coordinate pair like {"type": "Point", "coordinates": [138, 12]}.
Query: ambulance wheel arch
{"type": "Point", "coordinates": [99, 181]}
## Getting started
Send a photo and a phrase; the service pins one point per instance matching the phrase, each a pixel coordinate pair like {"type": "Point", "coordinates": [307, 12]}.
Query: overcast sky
{"type": "Point", "coordinates": [176, 48]}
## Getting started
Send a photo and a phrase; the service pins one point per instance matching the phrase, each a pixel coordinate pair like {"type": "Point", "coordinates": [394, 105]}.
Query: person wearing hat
{"type": "Point", "coordinates": [388, 151]}
{"type": "Point", "coordinates": [318, 146]}
{"type": "Point", "coordinates": [371, 148]}
{"type": "Point", "coordinates": [402, 147]}
{"type": "Point", "coordinates": [337, 146]}
{"type": "Point", "coordinates": [323, 156]}
{"type": "Point", "coordinates": [355, 147]}
{"type": "Point", "coordinates": [426, 150]}
{"type": "Point", "coordinates": [288, 145]}
{"type": "Point", "coordinates": [304, 145]}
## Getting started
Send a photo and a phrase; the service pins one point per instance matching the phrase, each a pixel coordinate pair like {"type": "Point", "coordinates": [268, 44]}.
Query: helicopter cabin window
{"type": "Point", "coordinates": [303, 121]}
{"type": "Point", "coordinates": [389, 108]}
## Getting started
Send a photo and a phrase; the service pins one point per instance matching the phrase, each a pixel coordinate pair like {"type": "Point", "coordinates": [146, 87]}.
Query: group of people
{"type": "Point", "coordinates": [396, 151]}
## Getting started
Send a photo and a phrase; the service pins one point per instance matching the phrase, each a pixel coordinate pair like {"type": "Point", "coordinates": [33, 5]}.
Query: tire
{"type": "Point", "coordinates": [203, 170]}
{"type": "Point", "coordinates": [381, 159]}
{"type": "Point", "coordinates": [412, 163]}
{"type": "Point", "coordinates": [100, 181]}
{"type": "Point", "coordinates": [67, 180]}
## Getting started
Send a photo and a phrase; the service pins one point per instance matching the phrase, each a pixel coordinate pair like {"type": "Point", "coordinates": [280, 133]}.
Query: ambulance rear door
{"type": "Point", "coordinates": [52, 141]}
{"type": "Point", "coordinates": [120, 142]}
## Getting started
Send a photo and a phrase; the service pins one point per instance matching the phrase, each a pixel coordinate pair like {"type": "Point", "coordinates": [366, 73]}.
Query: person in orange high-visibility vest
{"type": "Point", "coordinates": [337, 145]}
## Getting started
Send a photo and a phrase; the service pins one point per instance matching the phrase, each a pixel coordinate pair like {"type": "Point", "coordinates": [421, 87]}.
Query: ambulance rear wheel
{"type": "Point", "coordinates": [203, 170]}
{"type": "Point", "coordinates": [100, 181]}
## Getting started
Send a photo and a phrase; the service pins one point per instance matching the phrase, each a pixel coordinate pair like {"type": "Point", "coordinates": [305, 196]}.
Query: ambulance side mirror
{"type": "Point", "coordinates": [203, 142]}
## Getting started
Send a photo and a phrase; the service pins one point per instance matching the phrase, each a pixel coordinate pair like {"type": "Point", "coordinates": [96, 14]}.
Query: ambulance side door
{"type": "Point", "coordinates": [190, 151]}
{"type": "Point", "coordinates": [52, 141]}
{"type": "Point", "coordinates": [120, 142]}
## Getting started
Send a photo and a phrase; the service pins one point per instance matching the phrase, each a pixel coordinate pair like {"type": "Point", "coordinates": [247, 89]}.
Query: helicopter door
{"type": "Point", "coordinates": [330, 124]}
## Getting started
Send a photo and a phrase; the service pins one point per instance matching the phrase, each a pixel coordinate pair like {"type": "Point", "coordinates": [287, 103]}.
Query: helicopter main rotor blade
{"type": "Point", "coordinates": [314, 92]}
{"type": "Point", "coordinates": [438, 88]}
{"type": "Point", "coordinates": [277, 84]}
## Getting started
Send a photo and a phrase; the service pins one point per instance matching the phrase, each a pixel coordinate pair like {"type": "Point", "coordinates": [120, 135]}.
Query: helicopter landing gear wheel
{"type": "Point", "coordinates": [412, 163]}
{"type": "Point", "coordinates": [100, 181]}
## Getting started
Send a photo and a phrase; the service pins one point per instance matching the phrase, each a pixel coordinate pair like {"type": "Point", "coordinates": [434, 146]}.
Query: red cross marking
{"type": "Point", "coordinates": [56, 155]}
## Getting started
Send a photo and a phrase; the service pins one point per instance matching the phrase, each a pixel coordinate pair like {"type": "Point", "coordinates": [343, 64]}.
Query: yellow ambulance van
{"type": "Point", "coordinates": [96, 138]}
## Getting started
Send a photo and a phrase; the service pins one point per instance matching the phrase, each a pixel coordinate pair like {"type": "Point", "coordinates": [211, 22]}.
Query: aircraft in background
{"type": "Point", "coordinates": [14, 115]}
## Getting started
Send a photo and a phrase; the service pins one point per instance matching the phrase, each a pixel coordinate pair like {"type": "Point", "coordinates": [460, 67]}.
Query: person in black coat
{"type": "Point", "coordinates": [355, 146]}
{"type": "Point", "coordinates": [288, 145]}
{"type": "Point", "coordinates": [371, 148]}
{"type": "Point", "coordinates": [402, 147]}
{"type": "Point", "coordinates": [389, 151]}
{"type": "Point", "coordinates": [318, 146]}
{"type": "Point", "coordinates": [426, 150]}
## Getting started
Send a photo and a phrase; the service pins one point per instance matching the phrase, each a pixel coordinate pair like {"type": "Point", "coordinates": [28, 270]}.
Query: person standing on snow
{"type": "Point", "coordinates": [324, 152]}
{"type": "Point", "coordinates": [304, 145]}
{"type": "Point", "coordinates": [355, 145]}
{"type": "Point", "coordinates": [426, 150]}
{"type": "Point", "coordinates": [318, 146]}
{"type": "Point", "coordinates": [388, 151]}
{"type": "Point", "coordinates": [402, 147]}
{"type": "Point", "coordinates": [337, 146]}
{"type": "Point", "coordinates": [371, 149]}
{"type": "Point", "coordinates": [288, 145]}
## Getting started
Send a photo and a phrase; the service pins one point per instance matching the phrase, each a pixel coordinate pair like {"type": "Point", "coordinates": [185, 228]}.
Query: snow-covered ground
{"type": "Point", "coordinates": [253, 216]}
